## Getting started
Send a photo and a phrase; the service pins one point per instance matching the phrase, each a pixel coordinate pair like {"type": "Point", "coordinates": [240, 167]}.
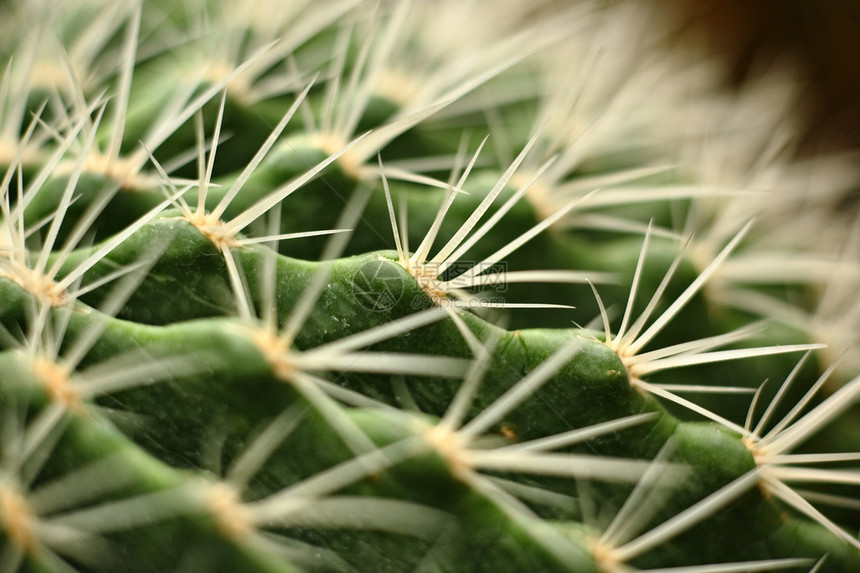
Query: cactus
{"type": "Point", "coordinates": [413, 286]}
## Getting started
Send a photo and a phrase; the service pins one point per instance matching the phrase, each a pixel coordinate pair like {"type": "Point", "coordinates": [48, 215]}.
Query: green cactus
{"type": "Point", "coordinates": [413, 286]}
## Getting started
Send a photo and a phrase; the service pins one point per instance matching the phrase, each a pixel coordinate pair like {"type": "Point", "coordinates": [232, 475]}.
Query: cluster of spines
{"type": "Point", "coordinates": [384, 435]}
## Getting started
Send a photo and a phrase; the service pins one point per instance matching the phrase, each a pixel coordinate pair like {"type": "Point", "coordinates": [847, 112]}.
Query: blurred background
{"type": "Point", "coordinates": [822, 36]}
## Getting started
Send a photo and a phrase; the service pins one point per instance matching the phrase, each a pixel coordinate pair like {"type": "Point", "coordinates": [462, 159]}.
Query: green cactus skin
{"type": "Point", "coordinates": [234, 335]}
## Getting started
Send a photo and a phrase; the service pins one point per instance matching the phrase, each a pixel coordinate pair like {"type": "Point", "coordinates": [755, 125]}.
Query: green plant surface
{"type": "Point", "coordinates": [413, 286]}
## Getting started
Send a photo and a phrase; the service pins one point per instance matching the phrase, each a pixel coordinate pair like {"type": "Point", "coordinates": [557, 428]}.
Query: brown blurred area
{"type": "Point", "coordinates": [822, 36]}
